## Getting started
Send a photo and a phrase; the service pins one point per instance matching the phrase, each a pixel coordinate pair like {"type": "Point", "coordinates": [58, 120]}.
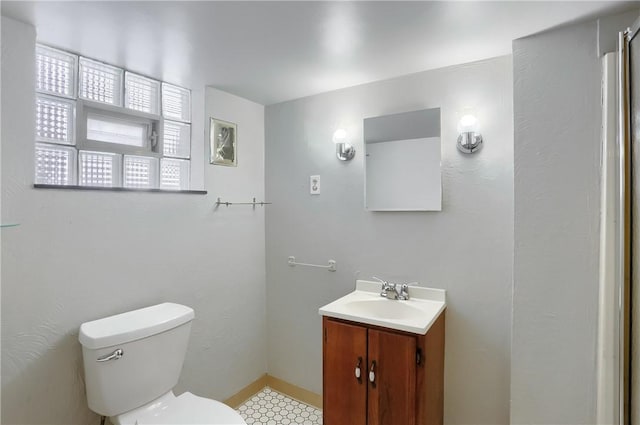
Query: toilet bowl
{"type": "Point", "coordinates": [133, 360]}
{"type": "Point", "coordinates": [184, 409]}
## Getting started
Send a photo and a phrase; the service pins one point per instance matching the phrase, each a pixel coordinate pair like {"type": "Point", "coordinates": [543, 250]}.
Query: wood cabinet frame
{"type": "Point", "coordinates": [412, 394]}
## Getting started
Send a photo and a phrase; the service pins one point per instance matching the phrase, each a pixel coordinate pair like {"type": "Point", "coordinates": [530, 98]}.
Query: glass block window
{"type": "Point", "coordinates": [55, 120]}
{"type": "Point", "coordinates": [177, 139]}
{"type": "Point", "coordinates": [100, 125]}
{"type": "Point", "coordinates": [56, 71]}
{"type": "Point", "coordinates": [174, 174]}
{"type": "Point", "coordinates": [140, 172]}
{"type": "Point", "coordinates": [100, 169]}
{"type": "Point", "coordinates": [55, 164]}
{"type": "Point", "coordinates": [141, 93]}
{"type": "Point", "coordinates": [100, 82]}
{"type": "Point", "coordinates": [176, 103]}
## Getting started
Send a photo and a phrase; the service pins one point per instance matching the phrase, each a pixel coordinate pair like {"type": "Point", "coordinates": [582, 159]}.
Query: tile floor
{"type": "Point", "coordinates": [270, 407]}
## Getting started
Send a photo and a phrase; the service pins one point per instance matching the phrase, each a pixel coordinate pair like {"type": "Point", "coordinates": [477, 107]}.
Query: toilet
{"type": "Point", "coordinates": [133, 360]}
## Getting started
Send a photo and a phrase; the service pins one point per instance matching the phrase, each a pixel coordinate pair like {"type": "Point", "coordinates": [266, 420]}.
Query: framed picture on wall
{"type": "Point", "coordinates": [222, 143]}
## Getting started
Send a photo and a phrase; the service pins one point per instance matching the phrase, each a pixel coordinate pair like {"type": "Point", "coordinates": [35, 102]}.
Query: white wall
{"type": "Point", "coordinates": [465, 249]}
{"type": "Point", "coordinates": [557, 152]}
{"type": "Point", "coordinates": [557, 119]}
{"type": "Point", "coordinates": [81, 255]}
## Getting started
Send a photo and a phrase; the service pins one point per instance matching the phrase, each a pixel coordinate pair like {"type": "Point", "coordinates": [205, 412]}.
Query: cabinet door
{"type": "Point", "coordinates": [392, 394]}
{"type": "Point", "coordinates": [344, 395]}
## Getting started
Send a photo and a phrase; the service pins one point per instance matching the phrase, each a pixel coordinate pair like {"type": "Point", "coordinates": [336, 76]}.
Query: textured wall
{"type": "Point", "coordinates": [465, 249]}
{"type": "Point", "coordinates": [79, 256]}
{"type": "Point", "coordinates": [557, 152]}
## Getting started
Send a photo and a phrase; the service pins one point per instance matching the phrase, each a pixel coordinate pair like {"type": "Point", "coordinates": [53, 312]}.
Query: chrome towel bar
{"type": "Point", "coordinates": [254, 203]}
{"type": "Point", "coordinates": [331, 267]}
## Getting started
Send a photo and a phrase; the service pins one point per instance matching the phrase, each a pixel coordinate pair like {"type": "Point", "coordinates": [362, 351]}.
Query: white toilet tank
{"type": "Point", "coordinates": [146, 348]}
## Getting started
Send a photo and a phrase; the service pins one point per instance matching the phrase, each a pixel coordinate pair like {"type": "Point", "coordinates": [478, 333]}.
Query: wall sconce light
{"type": "Point", "coordinates": [344, 150]}
{"type": "Point", "coordinates": [469, 139]}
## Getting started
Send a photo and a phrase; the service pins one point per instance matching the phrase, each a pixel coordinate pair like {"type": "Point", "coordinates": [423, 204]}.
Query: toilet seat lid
{"type": "Point", "coordinates": [185, 409]}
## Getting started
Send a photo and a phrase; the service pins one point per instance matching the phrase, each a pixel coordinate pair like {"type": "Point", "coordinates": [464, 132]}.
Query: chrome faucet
{"type": "Point", "coordinates": [393, 291]}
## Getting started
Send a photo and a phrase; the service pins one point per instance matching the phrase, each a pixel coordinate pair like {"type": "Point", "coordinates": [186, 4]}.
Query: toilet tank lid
{"type": "Point", "coordinates": [133, 325]}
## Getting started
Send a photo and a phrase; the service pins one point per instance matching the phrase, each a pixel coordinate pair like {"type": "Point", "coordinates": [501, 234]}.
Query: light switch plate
{"type": "Point", "coordinates": [314, 185]}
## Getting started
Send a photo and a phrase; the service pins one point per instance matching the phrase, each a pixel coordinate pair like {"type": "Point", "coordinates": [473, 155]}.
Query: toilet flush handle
{"type": "Point", "coordinates": [113, 356]}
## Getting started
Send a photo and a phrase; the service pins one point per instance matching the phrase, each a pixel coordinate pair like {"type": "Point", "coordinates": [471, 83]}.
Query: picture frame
{"type": "Point", "coordinates": [223, 137]}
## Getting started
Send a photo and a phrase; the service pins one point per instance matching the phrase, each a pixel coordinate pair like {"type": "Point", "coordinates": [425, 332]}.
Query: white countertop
{"type": "Point", "coordinates": [365, 305]}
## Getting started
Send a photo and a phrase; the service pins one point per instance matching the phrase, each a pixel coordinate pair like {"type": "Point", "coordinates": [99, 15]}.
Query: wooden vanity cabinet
{"type": "Point", "coordinates": [408, 380]}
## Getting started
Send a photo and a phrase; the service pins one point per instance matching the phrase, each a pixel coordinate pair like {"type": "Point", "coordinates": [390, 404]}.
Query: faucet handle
{"type": "Point", "coordinates": [386, 285]}
{"type": "Point", "coordinates": [404, 292]}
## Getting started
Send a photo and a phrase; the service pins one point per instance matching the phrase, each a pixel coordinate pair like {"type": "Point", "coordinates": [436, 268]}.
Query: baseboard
{"type": "Point", "coordinates": [247, 392]}
{"type": "Point", "coordinates": [277, 384]}
{"type": "Point", "coordinates": [295, 391]}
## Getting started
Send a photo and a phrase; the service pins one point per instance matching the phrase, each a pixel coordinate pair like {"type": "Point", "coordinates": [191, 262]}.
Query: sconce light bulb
{"type": "Point", "coordinates": [468, 123]}
{"type": "Point", "coordinates": [340, 136]}
{"type": "Point", "coordinates": [469, 137]}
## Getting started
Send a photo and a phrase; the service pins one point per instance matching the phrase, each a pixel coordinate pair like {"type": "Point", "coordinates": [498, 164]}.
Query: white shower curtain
{"type": "Point", "coordinates": [607, 378]}
{"type": "Point", "coordinates": [618, 354]}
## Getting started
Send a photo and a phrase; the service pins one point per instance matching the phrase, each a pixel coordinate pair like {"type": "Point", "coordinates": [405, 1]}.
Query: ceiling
{"type": "Point", "coordinates": [271, 52]}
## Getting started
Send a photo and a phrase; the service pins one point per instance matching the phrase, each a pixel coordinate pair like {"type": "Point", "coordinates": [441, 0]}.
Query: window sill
{"type": "Point", "coordinates": [118, 189]}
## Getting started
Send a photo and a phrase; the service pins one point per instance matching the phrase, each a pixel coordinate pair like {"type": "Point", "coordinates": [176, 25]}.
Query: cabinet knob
{"type": "Point", "coordinates": [372, 372]}
{"type": "Point", "coordinates": [357, 371]}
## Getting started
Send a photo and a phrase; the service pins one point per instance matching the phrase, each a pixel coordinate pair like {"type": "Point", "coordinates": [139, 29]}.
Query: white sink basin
{"type": "Point", "coordinates": [365, 305]}
{"type": "Point", "coordinates": [383, 309]}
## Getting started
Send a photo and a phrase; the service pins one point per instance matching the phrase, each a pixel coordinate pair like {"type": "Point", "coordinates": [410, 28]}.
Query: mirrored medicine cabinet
{"type": "Point", "coordinates": [402, 162]}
